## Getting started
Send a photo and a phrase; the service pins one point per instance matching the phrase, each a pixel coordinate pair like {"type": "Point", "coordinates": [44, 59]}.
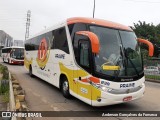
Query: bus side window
{"type": "Point", "coordinates": [60, 40]}
{"type": "Point", "coordinates": [70, 27]}
{"type": "Point", "coordinates": [84, 54]}
{"type": "Point", "coordinates": [75, 38]}
{"type": "Point", "coordinates": [84, 57]}
{"type": "Point", "coordinates": [78, 27]}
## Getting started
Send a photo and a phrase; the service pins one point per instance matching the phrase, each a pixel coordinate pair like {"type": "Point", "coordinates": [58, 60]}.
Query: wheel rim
{"type": "Point", "coordinates": [65, 86]}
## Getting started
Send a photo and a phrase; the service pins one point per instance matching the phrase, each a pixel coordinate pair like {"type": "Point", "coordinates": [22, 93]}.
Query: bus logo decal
{"type": "Point", "coordinates": [84, 90]}
{"type": "Point", "coordinates": [61, 56]}
{"type": "Point", "coordinates": [105, 83]}
{"type": "Point", "coordinates": [43, 54]}
{"type": "Point", "coordinates": [128, 85]}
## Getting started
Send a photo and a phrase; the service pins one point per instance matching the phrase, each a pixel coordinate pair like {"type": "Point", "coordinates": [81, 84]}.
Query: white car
{"type": "Point", "coordinates": [151, 70]}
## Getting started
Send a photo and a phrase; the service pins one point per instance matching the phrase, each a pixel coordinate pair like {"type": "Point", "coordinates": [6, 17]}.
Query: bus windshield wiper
{"type": "Point", "coordinates": [122, 62]}
{"type": "Point", "coordinates": [131, 62]}
{"type": "Point", "coordinates": [116, 73]}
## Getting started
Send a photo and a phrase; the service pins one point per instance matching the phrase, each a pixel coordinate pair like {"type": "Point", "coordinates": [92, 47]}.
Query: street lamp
{"type": "Point", "coordinates": [94, 8]}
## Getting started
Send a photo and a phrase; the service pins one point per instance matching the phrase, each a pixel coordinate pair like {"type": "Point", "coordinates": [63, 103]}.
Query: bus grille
{"type": "Point", "coordinates": [124, 91]}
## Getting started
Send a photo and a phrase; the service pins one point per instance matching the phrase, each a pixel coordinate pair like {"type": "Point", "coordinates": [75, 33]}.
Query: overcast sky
{"type": "Point", "coordinates": [45, 13]}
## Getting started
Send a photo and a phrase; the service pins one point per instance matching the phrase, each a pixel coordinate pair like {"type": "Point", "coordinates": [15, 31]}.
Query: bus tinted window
{"type": "Point", "coordinates": [17, 53]}
{"type": "Point", "coordinates": [29, 46]}
{"type": "Point", "coordinates": [61, 40]}
{"type": "Point", "coordinates": [78, 27]}
{"type": "Point", "coordinates": [33, 43]}
{"type": "Point", "coordinates": [70, 27]}
{"type": "Point", "coordinates": [49, 38]}
{"type": "Point", "coordinates": [6, 50]}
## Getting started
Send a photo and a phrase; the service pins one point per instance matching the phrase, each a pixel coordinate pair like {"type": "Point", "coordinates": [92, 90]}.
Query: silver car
{"type": "Point", "coordinates": [151, 70]}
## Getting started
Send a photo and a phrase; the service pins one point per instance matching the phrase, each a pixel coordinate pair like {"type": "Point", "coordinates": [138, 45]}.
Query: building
{"type": "Point", "coordinates": [18, 43]}
{"type": "Point", "coordinates": [5, 40]}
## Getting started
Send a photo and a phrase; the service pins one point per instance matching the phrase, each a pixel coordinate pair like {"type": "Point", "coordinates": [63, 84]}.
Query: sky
{"type": "Point", "coordinates": [46, 13]}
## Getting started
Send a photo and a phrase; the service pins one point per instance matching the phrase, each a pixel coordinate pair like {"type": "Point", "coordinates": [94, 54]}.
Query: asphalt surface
{"type": "Point", "coordinates": [41, 96]}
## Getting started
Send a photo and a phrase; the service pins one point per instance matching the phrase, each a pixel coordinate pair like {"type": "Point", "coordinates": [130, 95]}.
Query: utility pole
{"type": "Point", "coordinates": [94, 8]}
{"type": "Point", "coordinates": [27, 24]}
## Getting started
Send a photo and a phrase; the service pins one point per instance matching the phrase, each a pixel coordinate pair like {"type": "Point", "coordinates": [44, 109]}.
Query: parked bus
{"type": "Point", "coordinates": [96, 61]}
{"type": "Point", "coordinates": [13, 55]}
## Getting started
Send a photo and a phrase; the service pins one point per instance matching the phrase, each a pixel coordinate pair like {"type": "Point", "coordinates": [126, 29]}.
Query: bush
{"type": "Point", "coordinates": [4, 71]}
{"type": "Point", "coordinates": [6, 97]}
{"type": "Point", "coordinates": [155, 77]}
{"type": "Point", "coordinates": [4, 83]}
{"type": "Point", "coordinates": [4, 86]}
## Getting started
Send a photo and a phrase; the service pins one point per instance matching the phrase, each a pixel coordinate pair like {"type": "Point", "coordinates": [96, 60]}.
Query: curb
{"type": "Point", "coordinates": [152, 80]}
{"type": "Point", "coordinates": [11, 97]}
{"type": "Point", "coordinates": [17, 101]}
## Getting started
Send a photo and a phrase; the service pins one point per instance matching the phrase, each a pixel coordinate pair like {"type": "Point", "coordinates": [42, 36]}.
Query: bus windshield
{"type": "Point", "coordinates": [18, 53]}
{"type": "Point", "coordinates": [119, 52]}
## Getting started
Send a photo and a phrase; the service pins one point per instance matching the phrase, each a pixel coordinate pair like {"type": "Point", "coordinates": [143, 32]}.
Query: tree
{"type": "Point", "coordinates": [158, 32]}
{"type": "Point", "coordinates": [150, 32]}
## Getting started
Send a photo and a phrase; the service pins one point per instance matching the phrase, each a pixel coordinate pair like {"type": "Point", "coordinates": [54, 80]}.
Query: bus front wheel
{"type": "Point", "coordinates": [8, 61]}
{"type": "Point", "coordinates": [30, 71]}
{"type": "Point", "coordinates": [65, 88]}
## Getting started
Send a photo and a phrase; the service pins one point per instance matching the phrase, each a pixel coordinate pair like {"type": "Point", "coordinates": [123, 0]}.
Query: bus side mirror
{"type": "Point", "coordinates": [93, 39]}
{"type": "Point", "coordinates": [150, 46]}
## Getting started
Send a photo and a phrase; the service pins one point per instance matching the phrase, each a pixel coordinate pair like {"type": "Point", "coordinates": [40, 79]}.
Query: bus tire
{"type": "Point", "coordinates": [30, 71]}
{"type": "Point", "coordinates": [8, 61]}
{"type": "Point", "coordinates": [65, 87]}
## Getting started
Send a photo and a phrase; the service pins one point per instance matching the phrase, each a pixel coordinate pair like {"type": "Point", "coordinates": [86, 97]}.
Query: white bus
{"type": "Point", "coordinates": [13, 55]}
{"type": "Point", "coordinates": [96, 61]}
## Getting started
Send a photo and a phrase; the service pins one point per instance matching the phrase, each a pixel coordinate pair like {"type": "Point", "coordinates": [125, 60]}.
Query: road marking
{"type": "Point", "coordinates": [36, 94]}
{"type": "Point", "coordinates": [128, 119]}
{"type": "Point", "coordinates": [44, 100]}
{"type": "Point", "coordinates": [54, 108]}
{"type": "Point", "coordinates": [28, 89]}
{"type": "Point", "coordinates": [71, 119]}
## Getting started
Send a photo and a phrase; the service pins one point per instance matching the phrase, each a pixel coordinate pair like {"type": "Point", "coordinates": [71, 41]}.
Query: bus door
{"type": "Point", "coordinates": [84, 86]}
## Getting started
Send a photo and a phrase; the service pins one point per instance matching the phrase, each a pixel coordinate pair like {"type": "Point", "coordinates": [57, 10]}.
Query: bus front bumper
{"type": "Point", "coordinates": [110, 99]}
{"type": "Point", "coordinates": [16, 62]}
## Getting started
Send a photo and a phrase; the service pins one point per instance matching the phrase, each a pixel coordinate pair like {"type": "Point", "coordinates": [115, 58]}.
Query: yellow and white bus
{"type": "Point", "coordinates": [96, 61]}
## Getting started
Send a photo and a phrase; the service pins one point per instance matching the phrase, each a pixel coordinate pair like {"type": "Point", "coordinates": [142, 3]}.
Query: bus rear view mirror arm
{"type": "Point", "coordinates": [93, 39]}
{"type": "Point", "coordinates": [150, 46]}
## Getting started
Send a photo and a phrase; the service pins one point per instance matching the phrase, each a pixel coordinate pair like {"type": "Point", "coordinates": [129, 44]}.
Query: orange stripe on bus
{"type": "Point", "coordinates": [97, 22]}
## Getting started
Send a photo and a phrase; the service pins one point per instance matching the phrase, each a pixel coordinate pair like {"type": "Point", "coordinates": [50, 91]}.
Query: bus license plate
{"type": "Point", "coordinates": [129, 98]}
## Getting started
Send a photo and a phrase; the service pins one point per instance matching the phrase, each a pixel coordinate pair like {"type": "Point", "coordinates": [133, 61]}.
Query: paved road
{"type": "Point", "coordinates": [43, 96]}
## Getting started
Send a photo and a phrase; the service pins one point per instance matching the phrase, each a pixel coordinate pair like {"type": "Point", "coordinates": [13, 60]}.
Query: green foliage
{"type": "Point", "coordinates": [4, 88]}
{"type": "Point", "coordinates": [148, 31]}
{"type": "Point", "coordinates": [6, 96]}
{"type": "Point", "coordinates": [144, 30]}
{"type": "Point", "coordinates": [4, 71]}
{"type": "Point", "coordinates": [152, 77]}
{"type": "Point", "coordinates": [144, 54]}
{"type": "Point", "coordinates": [4, 83]}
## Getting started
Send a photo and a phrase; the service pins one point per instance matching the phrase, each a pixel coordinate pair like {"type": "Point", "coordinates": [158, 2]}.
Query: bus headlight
{"type": "Point", "coordinates": [105, 89]}
{"type": "Point", "coordinates": [102, 87]}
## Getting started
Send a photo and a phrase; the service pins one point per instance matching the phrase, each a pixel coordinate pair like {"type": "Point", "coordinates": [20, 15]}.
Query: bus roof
{"type": "Point", "coordinates": [98, 22]}
{"type": "Point", "coordinates": [12, 47]}
{"type": "Point", "coordinates": [85, 20]}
